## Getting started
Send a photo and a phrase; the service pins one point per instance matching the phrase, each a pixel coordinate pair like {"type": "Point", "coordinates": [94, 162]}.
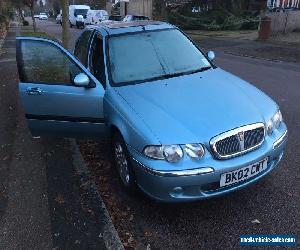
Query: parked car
{"type": "Point", "coordinates": [131, 18]}
{"type": "Point", "coordinates": [59, 19]}
{"type": "Point", "coordinates": [43, 16]}
{"type": "Point", "coordinates": [277, 9]}
{"type": "Point", "coordinates": [291, 9]}
{"type": "Point", "coordinates": [112, 19]}
{"type": "Point", "coordinates": [117, 18]}
{"type": "Point", "coordinates": [77, 15]}
{"type": "Point", "coordinates": [96, 16]}
{"type": "Point", "coordinates": [281, 9]}
{"type": "Point", "coordinates": [181, 128]}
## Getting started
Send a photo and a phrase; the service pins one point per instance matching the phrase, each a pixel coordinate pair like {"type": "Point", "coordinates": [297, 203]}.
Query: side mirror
{"type": "Point", "coordinates": [81, 80]}
{"type": "Point", "coordinates": [211, 55]}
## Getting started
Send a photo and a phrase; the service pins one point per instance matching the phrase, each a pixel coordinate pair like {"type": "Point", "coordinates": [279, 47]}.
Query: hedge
{"type": "Point", "coordinates": [214, 22]}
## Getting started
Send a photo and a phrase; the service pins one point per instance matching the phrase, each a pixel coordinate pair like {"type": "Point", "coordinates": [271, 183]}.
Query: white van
{"type": "Point", "coordinates": [96, 16]}
{"type": "Point", "coordinates": [78, 14]}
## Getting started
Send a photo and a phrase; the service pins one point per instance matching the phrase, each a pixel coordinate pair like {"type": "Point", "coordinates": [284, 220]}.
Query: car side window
{"type": "Point", "coordinates": [81, 47]}
{"type": "Point", "coordinates": [47, 64]}
{"type": "Point", "coordinates": [96, 59]}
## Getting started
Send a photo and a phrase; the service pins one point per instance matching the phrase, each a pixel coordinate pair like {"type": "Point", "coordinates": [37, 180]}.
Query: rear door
{"type": "Point", "coordinates": [60, 96]}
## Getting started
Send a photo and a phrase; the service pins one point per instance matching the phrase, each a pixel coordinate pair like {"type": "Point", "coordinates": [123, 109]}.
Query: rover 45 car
{"type": "Point", "coordinates": [181, 128]}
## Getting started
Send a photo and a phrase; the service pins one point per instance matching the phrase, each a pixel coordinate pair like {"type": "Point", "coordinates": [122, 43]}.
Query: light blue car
{"type": "Point", "coordinates": [181, 129]}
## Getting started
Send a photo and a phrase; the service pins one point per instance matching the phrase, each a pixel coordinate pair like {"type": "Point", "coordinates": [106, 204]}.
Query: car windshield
{"type": "Point", "coordinates": [82, 12]}
{"type": "Point", "coordinates": [146, 56]}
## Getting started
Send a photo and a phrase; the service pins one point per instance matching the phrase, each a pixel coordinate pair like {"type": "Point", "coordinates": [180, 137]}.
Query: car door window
{"type": "Point", "coordinates": [53, 108]}
{"type": "Point", "coordinates": [57, 68]}
{"type": "Point", "coordinates": [81, 47]}
{"type": "Point", "coordinates": [96, 61]}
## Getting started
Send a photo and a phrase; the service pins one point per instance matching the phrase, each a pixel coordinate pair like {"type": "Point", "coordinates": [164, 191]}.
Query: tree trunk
{"type": "Point", "coordinates": [33, 19]}
{"type": "Point", "coordinates": [65, 23]}
{"type": "Point", "coordinates": [21, 14]}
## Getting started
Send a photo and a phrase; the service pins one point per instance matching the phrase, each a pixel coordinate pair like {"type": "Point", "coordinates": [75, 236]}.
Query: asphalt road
{"type": "Point", "coordinates": [55, 30]}
{"type": "Point", "coordinates": [217, 223]}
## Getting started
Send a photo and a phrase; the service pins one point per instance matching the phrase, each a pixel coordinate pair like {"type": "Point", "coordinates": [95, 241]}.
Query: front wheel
{"type": "Point", "coordinates": [121, 161]}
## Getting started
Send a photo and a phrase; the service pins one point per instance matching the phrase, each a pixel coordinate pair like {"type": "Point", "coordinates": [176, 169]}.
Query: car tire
{"type": "Point", "coordinates": [121, 162]}
{"type": "Point", "coordinates": [71, 26]}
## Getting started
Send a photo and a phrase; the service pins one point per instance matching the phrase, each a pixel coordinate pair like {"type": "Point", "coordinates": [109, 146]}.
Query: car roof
{"type": "Point", "coordinates": [114, 28]}
{"type": "Point", "coordinates": [79, 7]}
{"type": "Point", "coordinates": [137, 15]}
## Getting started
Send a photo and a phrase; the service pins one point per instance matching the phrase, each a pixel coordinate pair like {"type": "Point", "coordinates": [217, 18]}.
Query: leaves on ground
{"type": "Point", "coordinates": [256, 221]}
{"type": "Point", "coordinates": [60, 199]}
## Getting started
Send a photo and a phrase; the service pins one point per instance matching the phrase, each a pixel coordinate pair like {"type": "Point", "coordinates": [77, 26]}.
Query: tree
{"type": "Point", "coordinates": [30, 4]}
{"type": "Point", "coordinates": [55, 5]}
{"type": "Point", "coordinates": [159, 11]}
{"type": "Point", "coordinates": [65, 22]}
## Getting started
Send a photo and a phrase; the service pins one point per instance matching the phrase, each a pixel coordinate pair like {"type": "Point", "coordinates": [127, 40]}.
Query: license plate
{"type": "Point", "coordinates": [244, 173]}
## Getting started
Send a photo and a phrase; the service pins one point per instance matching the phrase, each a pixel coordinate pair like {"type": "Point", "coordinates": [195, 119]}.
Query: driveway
{"type": "Point", "coordinates": [271, 206]}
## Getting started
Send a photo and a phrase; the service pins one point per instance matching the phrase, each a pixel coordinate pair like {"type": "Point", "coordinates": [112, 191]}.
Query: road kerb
{"type": "Point", "coordinates": [110, 235]}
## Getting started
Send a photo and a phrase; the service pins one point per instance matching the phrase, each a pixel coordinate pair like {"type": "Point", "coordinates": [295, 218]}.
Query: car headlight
{"type": "Point", "coordinates": [154, 152]}
{"type": "Point", "coordinates": [270, 127]}
{"type": "Point", "coordinates": [170, 153]}
{"type": "Point", "coordinates": [275, 122]}
{"type": "Point", "coordinates": [195, 150]}
{"type": "Point", "coordinates": [277, 119]}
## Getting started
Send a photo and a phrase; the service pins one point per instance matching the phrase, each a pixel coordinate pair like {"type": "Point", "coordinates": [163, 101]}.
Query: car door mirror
{"type": "Point", "coordinates": [82, 80]}
{"type": "Point", "coordinates": [211, 55]}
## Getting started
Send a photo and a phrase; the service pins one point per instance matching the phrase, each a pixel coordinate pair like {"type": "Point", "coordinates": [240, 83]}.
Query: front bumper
{"type": "Point", "coordinates": [187, 184]}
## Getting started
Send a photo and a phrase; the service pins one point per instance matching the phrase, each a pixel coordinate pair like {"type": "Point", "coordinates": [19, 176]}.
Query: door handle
{"type": "Point", "coordinates": [34, 91]}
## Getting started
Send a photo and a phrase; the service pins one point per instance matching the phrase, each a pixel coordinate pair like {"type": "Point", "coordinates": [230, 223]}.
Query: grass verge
{"type": "Point", "coordinates": [37, 34]}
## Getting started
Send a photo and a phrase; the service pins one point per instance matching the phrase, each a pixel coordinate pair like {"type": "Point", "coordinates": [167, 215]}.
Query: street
{"type": "Point", "coordinates": [271, 206]}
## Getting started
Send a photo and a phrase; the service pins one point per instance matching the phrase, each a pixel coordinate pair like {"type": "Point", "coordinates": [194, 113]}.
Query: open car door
{"type": "Point", "coordinates": [60, 96]}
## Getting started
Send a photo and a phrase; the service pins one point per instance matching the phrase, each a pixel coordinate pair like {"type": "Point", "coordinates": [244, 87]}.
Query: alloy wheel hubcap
{"type": "Point", "coordinates": [122, 164]}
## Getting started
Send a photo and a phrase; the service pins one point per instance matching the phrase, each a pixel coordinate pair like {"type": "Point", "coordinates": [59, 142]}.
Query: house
{"type": "Point", "coordinates": [141, 7]}
{"type": "Point", "coordinates": [151, 8]}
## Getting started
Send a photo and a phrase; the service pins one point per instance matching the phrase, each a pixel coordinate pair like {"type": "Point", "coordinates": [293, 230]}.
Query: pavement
{"type": "Point", "coordinates": [47, 197]}
{"type": "Point", "coordinates": [278, 51]}
{"type": "Point", "coordinates": [23, 193]}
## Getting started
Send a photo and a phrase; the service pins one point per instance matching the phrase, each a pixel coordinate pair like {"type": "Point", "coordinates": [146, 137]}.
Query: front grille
{"type": "Point", "coordinates": [254, 137]}
{"type": "Point", "coordinates": [228, 146]}
{"type": "Point", "coordinates": [238, 141]}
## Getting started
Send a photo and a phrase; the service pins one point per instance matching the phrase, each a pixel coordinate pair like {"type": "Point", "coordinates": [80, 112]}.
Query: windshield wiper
{"type": "Point", "coordinates": [186, 73]}
{"type": "Point", "coordinates": [167, 76]}
{"type": "Point", "coordinates": [204, 69]}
